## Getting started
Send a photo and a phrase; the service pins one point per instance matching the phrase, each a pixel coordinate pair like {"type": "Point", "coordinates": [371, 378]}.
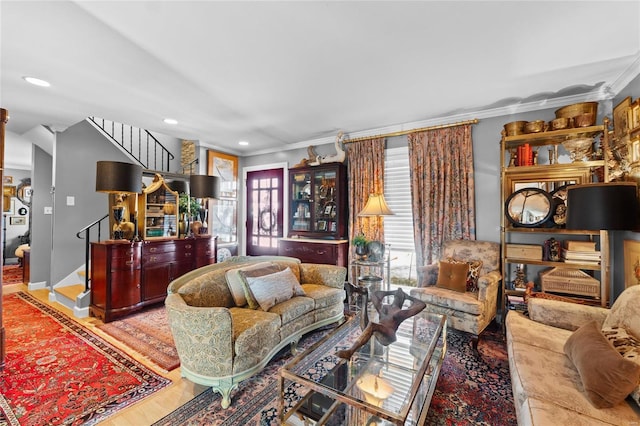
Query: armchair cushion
{"type": "Point", "coordinates": [472, 275]}
{"type": "Point", "coordinates": [606, 376]}
{"type": "Point", "coordinates": [453, 276]}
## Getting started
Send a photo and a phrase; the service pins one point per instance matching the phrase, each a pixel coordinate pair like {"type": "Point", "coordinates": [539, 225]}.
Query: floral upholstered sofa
{"type": "Point", "coordinates": [565, 362]}
{"type": "Point", "coordinates": [229, 319]}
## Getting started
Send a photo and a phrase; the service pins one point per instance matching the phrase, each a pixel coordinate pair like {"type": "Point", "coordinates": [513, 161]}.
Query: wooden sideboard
{"type": "Point", "coordinates": [331, 252]}
{"type": "Point", "coordinates": [127, 276]}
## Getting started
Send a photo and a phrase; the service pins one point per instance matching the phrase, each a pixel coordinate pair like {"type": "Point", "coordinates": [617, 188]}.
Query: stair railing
{"type": "Point", "coordinates": [85, 233]}
{"type": "Point", "coordinates": [189, 169]}
{"type": "Point", "coordinates": [139, 143]}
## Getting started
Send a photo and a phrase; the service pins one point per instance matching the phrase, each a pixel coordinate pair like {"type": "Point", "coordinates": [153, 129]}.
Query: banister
{"type": "Point", "coordinates": [87, 246]}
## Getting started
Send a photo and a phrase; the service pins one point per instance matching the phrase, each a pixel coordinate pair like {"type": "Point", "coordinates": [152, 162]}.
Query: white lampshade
{"type": "Point", "coordinates": [376, 206]}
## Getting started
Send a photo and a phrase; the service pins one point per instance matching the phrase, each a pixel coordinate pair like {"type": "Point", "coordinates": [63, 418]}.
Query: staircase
{"type": "Point", "coordinates": [139, 144]}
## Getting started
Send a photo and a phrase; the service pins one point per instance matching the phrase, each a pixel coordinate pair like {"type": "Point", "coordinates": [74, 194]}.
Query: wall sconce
{"type": "Point", "coordinates": [119, 178]}
{"type": "Point", "coordinates": [204, 186]}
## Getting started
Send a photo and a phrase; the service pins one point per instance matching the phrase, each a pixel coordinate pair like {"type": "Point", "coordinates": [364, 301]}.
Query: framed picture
{"type": "Point", "coordinates": [635, 151]}
{"type": "Point", "coordinates": [9, 191]}
{"type": "Point", "coordinates": [7, 205]}
{"type": "Point", "coordinates": [327, 209]}
{"type": "Point", "coordinates": [7, 180]}
{"type": "Point", "coordinates": [224, 166]}
{"type": "Point", "coordinates": [631, 263]}
{"type": "Point", "coordinates": [17, 220]}
{"type": "Point", "coordinates": [620, 117]}
{"type": "Point", "coordinates": [322, 225]}
{"type": "Point", "coordinates": [634, 115]}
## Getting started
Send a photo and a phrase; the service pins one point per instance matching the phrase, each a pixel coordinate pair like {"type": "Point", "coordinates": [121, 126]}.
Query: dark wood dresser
{"type": "Point", "coordinates": [127, 276]}
{"type": "Point", "coordinates": [331, 252]}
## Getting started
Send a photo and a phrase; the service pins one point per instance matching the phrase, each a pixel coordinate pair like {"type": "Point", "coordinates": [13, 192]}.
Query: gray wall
{"type": "Point", "coordinates": [41, 228]}
{"type": "Point", "coordinates": [76, 151]}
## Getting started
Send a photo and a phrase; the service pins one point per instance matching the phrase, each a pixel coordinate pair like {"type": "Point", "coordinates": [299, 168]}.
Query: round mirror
{"type": "Point", "coordinates": [528, 207]}
{"type": "Point", "coordinates": [24, 192]}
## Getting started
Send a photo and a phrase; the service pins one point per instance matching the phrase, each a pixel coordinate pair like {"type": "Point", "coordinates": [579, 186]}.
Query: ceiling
{"type": "Point", "coordinates": [284, 74]}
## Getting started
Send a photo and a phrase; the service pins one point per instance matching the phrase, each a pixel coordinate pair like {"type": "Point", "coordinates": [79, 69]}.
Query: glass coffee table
{"type": "Point", "coordinates": [379, 385]}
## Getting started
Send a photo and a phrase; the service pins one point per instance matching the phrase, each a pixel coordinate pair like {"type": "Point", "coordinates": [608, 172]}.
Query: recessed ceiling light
{"type": "Point", "coordinates": [37, 81]}
{"type": "Point", "coordinates": [170, 121]}
{"type": "Point", "coordinates": [243, 143]}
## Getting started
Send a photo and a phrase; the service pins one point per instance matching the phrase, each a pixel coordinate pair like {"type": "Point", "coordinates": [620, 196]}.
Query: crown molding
{"type": "Point", "coordinates": [625, 77]}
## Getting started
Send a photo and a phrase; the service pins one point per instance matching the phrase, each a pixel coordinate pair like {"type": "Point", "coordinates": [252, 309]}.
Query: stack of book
{"type": "Point", "coordinates": [516, 302]}
{"type": "Point", "coordinates": [581, 252]}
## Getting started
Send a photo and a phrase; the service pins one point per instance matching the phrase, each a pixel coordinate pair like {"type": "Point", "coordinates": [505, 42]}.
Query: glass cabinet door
{"type": "Point", "coordinates": [158, 211]}
{"type": "Point", "coordinates": [301, 201]}
{"type": "Point", "coordinates": [324, 201]}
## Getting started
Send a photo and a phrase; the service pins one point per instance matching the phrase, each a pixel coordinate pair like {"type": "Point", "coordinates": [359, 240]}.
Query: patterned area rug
{"type": "Point", "coordinates": [59, 373]}
{"type": "Point", "coordinates": [471, 390]}
{"type": "Point", "coordinates": [11, 274]}
{"type": "Point", "coordinates": [148, 333]}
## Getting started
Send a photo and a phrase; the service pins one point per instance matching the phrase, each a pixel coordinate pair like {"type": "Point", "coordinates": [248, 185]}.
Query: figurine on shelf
{"type": "Point", "coordinates": [520, 281]}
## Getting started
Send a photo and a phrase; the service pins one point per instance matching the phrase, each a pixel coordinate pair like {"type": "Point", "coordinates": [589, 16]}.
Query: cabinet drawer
{"type": "Point", "coordinates": [158, 248]}
{"type": "Point", "coordinates": [524, 251]}
{"type": "Point", "coordinates": [131, 262]}
{"type": "Point", "coordinates": [308, 252]}
{"type": "Point", "coordinates": [159, 258]}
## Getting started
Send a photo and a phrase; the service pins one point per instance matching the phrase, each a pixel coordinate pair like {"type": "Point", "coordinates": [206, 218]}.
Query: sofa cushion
{"type": "Point", "coordinates": [607, 378]}
{"type": "Point", "coordinates": [207, 290]}
{"type": "Point", "coordinates": [625, 311]}
{"type": "Point", "coordinates": [294, 308]}
{"type": "Point", "coordinates": [324, 296]}
{"type": "Point", "coordinates": [475, 266]}
{"type": "Point", "coordinates": [269, 290]}
{"type": "Point", "coordinates": [237, 285]}
{"type": "Point", "coordinates": [464, 302]}
{"type": "Point", "coordinates": [627, 346]}
{"type": "Point", "coordinates": [453, 276]}
{"type": "Point", "coordinates": [255, 334]}
{"type": "Point", "coordinates": [522, 329]}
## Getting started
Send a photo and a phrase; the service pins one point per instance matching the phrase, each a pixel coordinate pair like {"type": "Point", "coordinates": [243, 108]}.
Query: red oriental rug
{"type": "Point", "coordinates": [59, 373]}
{"type": "Point", "coordinates": [148, 333]}
{"type": "Point", "coordinates": [11, 274]}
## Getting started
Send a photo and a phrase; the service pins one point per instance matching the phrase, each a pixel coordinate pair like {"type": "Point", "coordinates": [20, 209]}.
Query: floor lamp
{"type": "Point", "coordinates": [603, 207]}
{"type": "Point", "coordinates": [206, 187]}
{"type": "Point", "coordinates": [119, 178]}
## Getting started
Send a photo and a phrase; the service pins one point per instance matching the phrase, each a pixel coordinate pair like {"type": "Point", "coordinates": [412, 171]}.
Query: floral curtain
{"type": "Point", "coordinates": [442, 189]}
{"type": "Point", "coordinates": [366, 176]}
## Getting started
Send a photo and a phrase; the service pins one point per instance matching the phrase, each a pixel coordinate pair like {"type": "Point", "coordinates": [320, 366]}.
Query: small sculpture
{"type": "Point", "coordinates": [391, 316]}
{"type": "Point", "coordinates": [314, 159]}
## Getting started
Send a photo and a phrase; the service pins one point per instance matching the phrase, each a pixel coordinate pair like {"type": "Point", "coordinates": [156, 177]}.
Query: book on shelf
{"type": "Point", "coordinates": [580, 245]}
{"type": "Point", "coordinates": [581, 255]}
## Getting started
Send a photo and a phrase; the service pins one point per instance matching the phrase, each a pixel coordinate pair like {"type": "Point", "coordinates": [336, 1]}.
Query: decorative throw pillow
{"type": "Point", "coordinates": [271, 268]}
{"type": "Point", "coordinates": [269, 290]}
{"type": "Point", "coordinates": [453, 276]}
{"type": "Point", "coordinates": [606, 376]}
{"type": "Point", "coordinates": [627, 346]}
{"type": "Point", "coordinates": [237, 285]}
{"type": "Point", "coordinates": [474, 272]}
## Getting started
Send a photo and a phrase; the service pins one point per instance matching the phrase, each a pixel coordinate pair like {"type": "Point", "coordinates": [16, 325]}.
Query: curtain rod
{"type": "Point", "coordinates": [406, 132]}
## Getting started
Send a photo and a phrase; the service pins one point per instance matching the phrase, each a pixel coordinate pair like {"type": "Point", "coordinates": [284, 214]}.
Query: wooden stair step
{"type": "Point", "coordinates": [70, 291]}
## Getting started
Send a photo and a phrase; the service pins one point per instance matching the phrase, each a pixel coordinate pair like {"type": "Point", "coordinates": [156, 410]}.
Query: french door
{"type": "Point", "coordinates": [264, 211]}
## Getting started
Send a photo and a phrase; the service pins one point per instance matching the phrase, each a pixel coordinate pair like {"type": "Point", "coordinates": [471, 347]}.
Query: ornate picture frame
{"type": "Point", "coordinates": [224, 166]}
{"type": "Point", "coordinates": [631, 263]}
{"type": "Point", "coordinates": [620, 118]}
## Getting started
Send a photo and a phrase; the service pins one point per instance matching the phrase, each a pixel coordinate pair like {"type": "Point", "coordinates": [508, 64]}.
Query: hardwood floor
{"type": "Point", "coordinates": [150, 409]}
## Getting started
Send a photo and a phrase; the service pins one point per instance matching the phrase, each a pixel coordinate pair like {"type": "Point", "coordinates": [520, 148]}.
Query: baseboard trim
{"type": "Point", "coordinates": [37, 286]}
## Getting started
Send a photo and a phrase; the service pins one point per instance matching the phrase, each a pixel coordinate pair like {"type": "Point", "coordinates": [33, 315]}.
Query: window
{"type": "Point", "coordinates": [398, 229]}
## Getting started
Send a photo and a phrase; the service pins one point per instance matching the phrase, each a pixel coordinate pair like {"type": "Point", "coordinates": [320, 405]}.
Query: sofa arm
{"type": "Point", "coordinates": [203, 337]}
{"type": "Point", "coordinates": [566, 315]}
{"type": "Point", "coordinates": [329, 275]}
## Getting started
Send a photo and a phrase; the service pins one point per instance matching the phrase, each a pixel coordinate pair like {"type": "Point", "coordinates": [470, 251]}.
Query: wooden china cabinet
{"type": "Point", "coordinates": [317, 215]}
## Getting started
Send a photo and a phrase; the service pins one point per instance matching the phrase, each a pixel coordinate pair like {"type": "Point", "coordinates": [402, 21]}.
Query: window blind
{"type": "Point", "coordinates": [398, 229]}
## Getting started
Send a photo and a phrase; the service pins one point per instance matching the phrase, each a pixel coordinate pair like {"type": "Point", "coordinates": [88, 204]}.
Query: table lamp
{"type": "Point", "coordinates": [204, 186]}
{"type": "Point", "coordinates": [604, 207]}
{"type": "Point", "coordinates": [115, 177]}
{"type": "Point", "coordinates": [376, 207]}
{"type": "Point", "coordinates": [375, 388]}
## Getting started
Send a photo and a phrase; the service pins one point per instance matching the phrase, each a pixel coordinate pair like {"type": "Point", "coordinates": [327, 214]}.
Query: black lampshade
{"type": "Point", "coordinates": [602, 206]}
{"type": "Point", "coordinates": [115, 176]}
{"type": "Point", "coordinates": [179, 186]}
{"type": "Point", "coordinates": [203, 186]}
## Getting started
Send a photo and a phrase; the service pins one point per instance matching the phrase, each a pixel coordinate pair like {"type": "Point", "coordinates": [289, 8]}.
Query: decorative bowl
{"type": "Point", "coordinates": [535, 126]}
{"type": "Point", "coordinates": [578, 148]}
{"type": "Point", "coordinates": [514, 128]}
{"type": "Point", "coordinates": [584, 120]}
{"type": "Point", "coordinates": [560, 123]}
{"type": "Point", "coordinates": [571, 111]}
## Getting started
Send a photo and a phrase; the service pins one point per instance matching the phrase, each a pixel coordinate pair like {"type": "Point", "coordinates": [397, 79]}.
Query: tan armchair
{"type": "Point", "coordinates": [469, 311]}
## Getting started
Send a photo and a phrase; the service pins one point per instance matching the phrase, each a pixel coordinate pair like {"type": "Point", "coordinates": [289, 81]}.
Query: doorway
{"type": "Point", "coordinates": [264, 211]}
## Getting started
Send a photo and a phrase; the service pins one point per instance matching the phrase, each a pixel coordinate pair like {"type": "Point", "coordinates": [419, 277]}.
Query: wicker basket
{"type": "Point", "coordinates": [570, 281]}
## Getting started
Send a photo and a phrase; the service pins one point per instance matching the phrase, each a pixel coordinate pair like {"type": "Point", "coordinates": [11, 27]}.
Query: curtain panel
{"type": "Point", "coordinates": [442, 189]}
{"type": "Point", "coordinates": [366, 176]}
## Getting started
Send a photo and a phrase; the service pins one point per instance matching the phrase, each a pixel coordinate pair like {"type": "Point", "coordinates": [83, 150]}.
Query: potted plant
{"type": "Point", "coordinates": [188, 208]}
{"type": "Point", "coordinates": [360, 242]}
